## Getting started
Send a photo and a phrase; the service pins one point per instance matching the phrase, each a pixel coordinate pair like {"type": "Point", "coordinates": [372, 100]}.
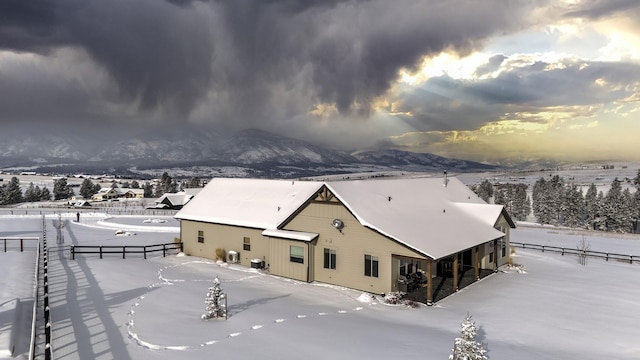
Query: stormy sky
{"type": "Point", "coordinates": [479, 80]}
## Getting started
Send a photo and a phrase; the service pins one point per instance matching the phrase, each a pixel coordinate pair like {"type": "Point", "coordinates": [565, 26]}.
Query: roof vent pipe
{"type": "Point", "coordinates": [445, 180]}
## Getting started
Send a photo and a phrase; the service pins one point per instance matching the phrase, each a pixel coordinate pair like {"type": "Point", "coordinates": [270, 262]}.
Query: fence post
{"type": "Point", "coordinates": [607, 257]}
{"type": "Point", "coordinates": [21, 245]}
{"type": "Point", "coordinates": [124, 251]}
{"type": "Point", "coordinates": [73, 252]}
{"type": "Point", "coordinates": [562, 251]}
{"type": "Point", "coordinates": [181, 246]}
{"type": "Point", "coordinates": [630, 259]}
{"type": "Point", "coordinates": [5, 245]}
{"type": "Point", "coordinates": [144, 251]}
{"type": "Point", "coordinates": [164, 250]}
{"type": "Point", "coordinates": [542, 248]}
{"type": "Point", "coordinates": [100, 251]}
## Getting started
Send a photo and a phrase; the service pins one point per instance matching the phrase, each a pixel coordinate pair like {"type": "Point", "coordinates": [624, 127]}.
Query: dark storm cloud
{"type": "Point", "coordinates": [603, 8]}
{"type": "Point", "coordinates": [444, 103]}
{"type": "Point", "coordinates": [252, 62]}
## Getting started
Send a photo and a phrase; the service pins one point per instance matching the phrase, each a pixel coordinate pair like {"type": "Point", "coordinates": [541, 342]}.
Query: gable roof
{"type": "Point", "coordinates": [422, 213]}
{"type": "Point", "coordinates": [254, 203]}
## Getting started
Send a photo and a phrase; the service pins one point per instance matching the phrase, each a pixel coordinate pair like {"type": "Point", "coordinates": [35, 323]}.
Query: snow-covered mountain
{"type": "Point", "coordinates": [406, 159]}
{"type": "Point", "coordinates": [264, 153]}
{"type": "Point", "coordinates": [172, 147]}
{"type": "Point", "coordinates": [257, 146]}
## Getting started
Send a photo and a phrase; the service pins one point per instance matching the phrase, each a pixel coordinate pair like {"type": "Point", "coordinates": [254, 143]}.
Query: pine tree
{"type": "Point", "coordinates": [148, 190]}
{"type": "Point", "coordinates": [466, 347]}
{"type": "Point", "coordinates": [485, 190]}
{"type": "Point", "coordinates": [215, 302]}
{"type": "Point", "coordinates": [135, 184]}
{"type": "Point", "coordinates": [166, 185]}
{"type": "Point", "coordinates": [614, 204]}
{"type": "Point", "coordinates": [572, 206]}
{"type": "Point", "coordinates": [13, 192]}
{"type": "Point", "coordinates": [591, 206]}
{"type": "Point", "coordinates": [29, 193]}
{"type": "Point", "coordinates": [540, 202]}
{"type": "Point", "coordinates": [45, 194]}
{"type": "Point", "coordinates": [87, 189]}
{"type": "Point", "coordinates": [62, 190]}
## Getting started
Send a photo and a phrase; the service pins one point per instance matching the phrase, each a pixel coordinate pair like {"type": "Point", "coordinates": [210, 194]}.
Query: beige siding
{"type": "Point", "coordinates": [224, 237]}
{"type": "Point", "coordinates": [351, 245]}
{"type": "Point", "coordinates": [281, 264]}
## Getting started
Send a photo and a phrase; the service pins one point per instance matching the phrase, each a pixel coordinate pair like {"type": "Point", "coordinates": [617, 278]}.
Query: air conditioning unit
{"type": "Point", "coordinates": [233, 257]}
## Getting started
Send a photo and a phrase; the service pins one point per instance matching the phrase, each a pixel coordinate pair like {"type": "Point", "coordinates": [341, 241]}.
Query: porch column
{"type": "Point", "coordinates": [455, 272]}
{"type": "Point", "coordinates": [495, 255]}
{"type": "Point", "coordinates": [476, 262]}
{"type": "Point", "coordinates": [429, 281]}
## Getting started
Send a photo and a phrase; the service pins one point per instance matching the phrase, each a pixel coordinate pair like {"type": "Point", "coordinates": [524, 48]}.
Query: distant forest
{"type": "Point", "coordinates": [557, 202]}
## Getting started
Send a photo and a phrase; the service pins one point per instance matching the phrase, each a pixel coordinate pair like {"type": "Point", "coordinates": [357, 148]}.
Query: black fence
{"type": "Point", "coordinates": [19, 241]}
{"type": "Point", "coordinates": [124, 249]}
{"type": "Point", "coordinates": [583, 253]}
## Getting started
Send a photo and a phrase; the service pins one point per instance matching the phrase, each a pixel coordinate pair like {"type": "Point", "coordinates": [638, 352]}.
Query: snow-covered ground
{"type": "Point", "coordinates": [141, 309]}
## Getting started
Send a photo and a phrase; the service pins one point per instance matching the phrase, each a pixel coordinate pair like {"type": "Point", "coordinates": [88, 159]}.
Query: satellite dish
{"type": "Point", "coordinates": [337, 223]}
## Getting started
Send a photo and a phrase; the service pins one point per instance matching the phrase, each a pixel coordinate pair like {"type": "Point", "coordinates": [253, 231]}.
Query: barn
{"type": "Point", "coordinates": [426, 237]}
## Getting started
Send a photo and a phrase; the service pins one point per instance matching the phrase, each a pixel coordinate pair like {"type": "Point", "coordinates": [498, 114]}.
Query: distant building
{"type": "Point", "coordinates": [175, 201]}
{"type": "Point", "coordinates": [373, 235]}
{"type": "Point", "coordinates": [118, 193]}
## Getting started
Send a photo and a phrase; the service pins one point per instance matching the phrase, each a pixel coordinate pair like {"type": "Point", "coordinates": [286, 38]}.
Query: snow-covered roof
{"type": "Point", "coordinates": [422, 213]}
{"type": "Point", "coordinates": [254, 203]}
{"type": "Point", "coordinates": [179, 198]}
{"type": "Point", "coordinates": [291, 235]}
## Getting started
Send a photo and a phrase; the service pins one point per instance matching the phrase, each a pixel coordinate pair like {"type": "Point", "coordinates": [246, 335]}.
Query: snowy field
{"type": "Point", "coordinates": [150, 309]}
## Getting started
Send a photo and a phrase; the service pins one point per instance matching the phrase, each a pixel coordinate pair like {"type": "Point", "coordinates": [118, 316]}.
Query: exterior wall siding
{"type": "Point", "coordinates": [350, 245]}
{"type": "Point", "coordinates": [224, 237]}
{"type": "Point", "coordinates": [281, 264]}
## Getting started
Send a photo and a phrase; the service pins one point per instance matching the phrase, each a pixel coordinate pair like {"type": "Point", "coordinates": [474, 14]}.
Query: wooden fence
{"type": "Point", "coordinates": [21, 240]}
{"type": "Point", "coordinates": [124, 249]}
{"type": "Point", "coordinates": [574, 251]}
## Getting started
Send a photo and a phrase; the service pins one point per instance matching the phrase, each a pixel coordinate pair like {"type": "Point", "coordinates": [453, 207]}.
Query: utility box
{"type": "Point", "coordinates": [257, 263]}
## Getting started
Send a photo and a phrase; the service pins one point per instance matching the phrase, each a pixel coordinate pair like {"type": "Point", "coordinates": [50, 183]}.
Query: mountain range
{"type": "Point", "coordinates": [252, 148]}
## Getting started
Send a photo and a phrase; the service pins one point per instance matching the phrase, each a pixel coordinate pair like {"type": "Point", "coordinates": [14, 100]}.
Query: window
{"type": "Point", "coordinates": [200, 236]}
{"type": "Point", "coordinates": [246, 246]}
{"type": "Point", "coordinates": [296, 254]}
{"type": "Point", "coordinates": [491, 256]}
{"type": "Point", "coordinates": [370, 266]}
{"type": "Point", "coordinates": [329, 259]}
{"type": "Point", "coordinates": [503, 244]}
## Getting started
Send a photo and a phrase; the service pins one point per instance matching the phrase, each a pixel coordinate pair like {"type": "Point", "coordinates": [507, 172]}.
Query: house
{"type": "Point", "coordinates": [175, 201]}
{"type": "Point", "coordinates": [117, 193]}
{"type": "Point", "coordinates": [403, 234]}
{"type": "Point", "coordinates": [81, 204]}
{"type": "Point", "coordinates": [106, 194]}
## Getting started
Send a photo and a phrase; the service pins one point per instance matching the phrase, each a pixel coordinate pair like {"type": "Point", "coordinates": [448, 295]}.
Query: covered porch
{"type": "Point", "coordinates": [443, 286]}
{"type": "Point", "coordinates": [433, 280]}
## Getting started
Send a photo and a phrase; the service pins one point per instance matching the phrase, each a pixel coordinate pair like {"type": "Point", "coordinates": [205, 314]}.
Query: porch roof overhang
{"type": "Point", "coordinates": [290, 235]}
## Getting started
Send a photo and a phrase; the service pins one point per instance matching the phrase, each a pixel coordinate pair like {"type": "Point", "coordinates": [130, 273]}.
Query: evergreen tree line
{"type": "Point", "coordinates": [557, 202]}
{"type": "Point", "coordinates": [11, 192]}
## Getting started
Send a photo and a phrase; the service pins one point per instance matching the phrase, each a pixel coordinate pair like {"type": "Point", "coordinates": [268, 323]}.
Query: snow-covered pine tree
{"type": "Point", "coordinates": [485, 190]}
{"type": "Point", "coordinates": [591, 207]}
{"type": "Point", "coordinates": [215, 302]}
{"type": "Point", "coordinates": [466, 347]}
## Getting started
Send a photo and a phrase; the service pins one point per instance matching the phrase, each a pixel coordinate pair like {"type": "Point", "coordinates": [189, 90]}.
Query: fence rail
{"type": "Point", "coordinates": [124, 249]}
{"type": "Point", "coordinates": [584, 253]}
{"type": "Point", "coordinates": [19, 239]}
